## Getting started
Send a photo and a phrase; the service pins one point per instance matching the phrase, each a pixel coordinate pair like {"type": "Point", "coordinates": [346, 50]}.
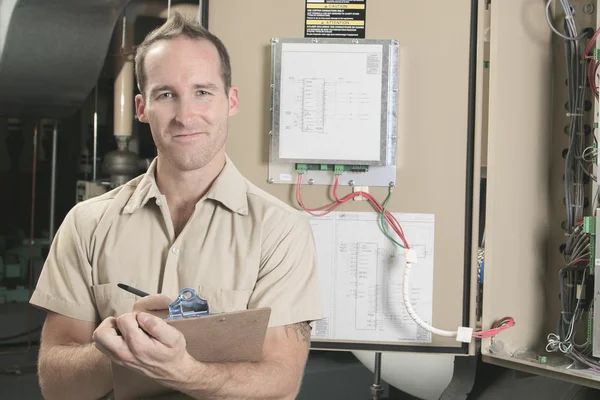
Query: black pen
{"type": "Point", "coordinates": [133, 290]}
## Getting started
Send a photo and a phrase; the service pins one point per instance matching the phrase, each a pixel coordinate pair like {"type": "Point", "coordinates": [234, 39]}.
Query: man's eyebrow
{"type": "Point", "coordinates": [210, 86]}
{"type": "Point", "coordinates": [160, 88]}
{"type": "Point", "coordinates": [202, 86]}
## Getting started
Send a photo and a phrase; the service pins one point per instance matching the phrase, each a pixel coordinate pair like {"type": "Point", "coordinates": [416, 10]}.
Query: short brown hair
{"type": "Point", "coordinates": [176, 26]}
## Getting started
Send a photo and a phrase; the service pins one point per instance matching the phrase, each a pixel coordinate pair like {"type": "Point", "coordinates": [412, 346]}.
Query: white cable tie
{"type": "Point", "coordinates": [411, 256]}
{"type": "Point", "coordinates": [464, 334]}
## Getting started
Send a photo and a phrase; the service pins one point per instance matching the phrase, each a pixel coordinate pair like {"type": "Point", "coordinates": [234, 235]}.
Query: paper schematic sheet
{"type": "Point", "coordinates": [361, 273]}
{"type": "Point", "coordinates": [331, 94]}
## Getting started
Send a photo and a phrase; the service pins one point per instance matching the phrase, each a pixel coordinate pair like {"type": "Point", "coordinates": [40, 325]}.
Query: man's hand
{"type": "Point", "coordinates": [147, 343]}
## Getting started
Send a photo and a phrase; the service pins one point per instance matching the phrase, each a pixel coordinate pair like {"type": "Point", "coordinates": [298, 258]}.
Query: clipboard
{"type": "Point", "coordinates": [236, 336]}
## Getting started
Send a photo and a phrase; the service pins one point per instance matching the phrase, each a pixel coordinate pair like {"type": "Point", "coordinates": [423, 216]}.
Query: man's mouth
{"type": "Point", "coordinates": [190, 134]}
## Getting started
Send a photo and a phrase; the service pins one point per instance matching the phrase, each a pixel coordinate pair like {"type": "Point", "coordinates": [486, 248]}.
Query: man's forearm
{"type": "Point", "coordinates": [74, 372]}
{"type": "Point", "coordinates": [232, 381]}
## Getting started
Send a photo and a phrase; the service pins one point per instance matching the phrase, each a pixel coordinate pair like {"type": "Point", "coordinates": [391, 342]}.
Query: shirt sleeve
{"type": "Point", "coordinates": [288, 279]}
{"type": "Point", "coordinates": [64, 285]}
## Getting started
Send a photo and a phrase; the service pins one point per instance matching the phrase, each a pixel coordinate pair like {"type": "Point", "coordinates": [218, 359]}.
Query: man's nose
{"type": "Point", "coordinates": [186, 112]}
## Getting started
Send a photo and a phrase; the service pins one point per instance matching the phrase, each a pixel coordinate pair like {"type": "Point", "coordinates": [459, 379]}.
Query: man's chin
{"type": "Point", "coordinates": [186, 164]}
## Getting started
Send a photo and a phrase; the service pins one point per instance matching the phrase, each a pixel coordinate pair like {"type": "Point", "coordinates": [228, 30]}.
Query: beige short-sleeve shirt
{"type": "Point", "coordinates": [241, 249]}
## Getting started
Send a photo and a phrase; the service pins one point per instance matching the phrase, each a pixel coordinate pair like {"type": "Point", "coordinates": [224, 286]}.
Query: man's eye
{"type": "Point", "coordinates": [202, 93]}
{"type": "Point", "coordinates": [165, 95]}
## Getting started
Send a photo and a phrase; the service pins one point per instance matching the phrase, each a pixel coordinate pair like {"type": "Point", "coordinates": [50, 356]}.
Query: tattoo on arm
{"type": "Point", "coordinates": [301, 330]}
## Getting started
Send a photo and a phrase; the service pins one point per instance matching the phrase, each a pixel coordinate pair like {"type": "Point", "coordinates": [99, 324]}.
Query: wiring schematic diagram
{"type": "Point", "coordinates": [361, 274]}
{"type": "Point", "coordinates": [330, 96]}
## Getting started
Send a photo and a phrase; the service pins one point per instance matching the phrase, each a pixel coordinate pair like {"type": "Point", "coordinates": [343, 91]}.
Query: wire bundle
{"type": "Point", "coordinates": [579, 161]}
{"type": "Point", "coordinates": [382, 209]}
{"type": "Point", "coordinates": [497, 327]}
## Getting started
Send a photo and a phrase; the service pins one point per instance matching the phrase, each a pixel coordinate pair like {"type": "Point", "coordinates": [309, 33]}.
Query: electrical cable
{"type": "Point", "coordinates": [387, 218]}
{"type": "Point", "coordinates": [554, 29]}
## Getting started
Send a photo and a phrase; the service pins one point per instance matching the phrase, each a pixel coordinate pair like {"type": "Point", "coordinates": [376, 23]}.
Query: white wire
{"type": "Point", "coordinates": [199, 8]}
{"type": "Point", "coordinates": [169, 9]}
{"type": "Point", "coordinates": [411, 312]}
{"type": "Point", "coordinates": [569, 17]}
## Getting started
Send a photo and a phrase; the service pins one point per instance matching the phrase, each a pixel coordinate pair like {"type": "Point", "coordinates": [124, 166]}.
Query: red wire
{"type": "Point", "coordinates": [589, 45]}
{"type": "Point", "coordinates": [389, 217]}
{"type": "Point", "coordinates": [580, 260]}
{"type": "Point", "coordinates": [493, 332]}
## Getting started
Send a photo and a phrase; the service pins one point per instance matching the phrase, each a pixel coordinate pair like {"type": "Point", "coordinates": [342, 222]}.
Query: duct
{"type": "Point", "coordinates": [123, 164]}
{"type": "Point", "coordinates": [52, 52]}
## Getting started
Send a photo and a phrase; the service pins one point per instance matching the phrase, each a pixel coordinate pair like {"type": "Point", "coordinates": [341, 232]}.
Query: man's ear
{"type": "Point", "coordinates": [234, 101]}
{"type": "Point", "coordinates": [140, 108]}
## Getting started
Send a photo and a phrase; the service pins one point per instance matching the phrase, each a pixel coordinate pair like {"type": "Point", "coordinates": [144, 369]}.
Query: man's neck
{"type": "Point", "coordinates": [183, 189]}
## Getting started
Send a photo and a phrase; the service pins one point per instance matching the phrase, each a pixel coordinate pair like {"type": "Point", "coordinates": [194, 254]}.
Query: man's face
{"type": "Point", "coordinates": [185, 101]}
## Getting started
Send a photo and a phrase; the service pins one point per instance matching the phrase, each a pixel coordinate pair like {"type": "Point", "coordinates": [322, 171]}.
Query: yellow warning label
{"type": "Point", "coordinates": [334, 22]}
{"type": "Point", "coordinates": [338, 6]}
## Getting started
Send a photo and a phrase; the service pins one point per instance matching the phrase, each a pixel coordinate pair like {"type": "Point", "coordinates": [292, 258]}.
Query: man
{"type": "Point", "coordinates": [191, 221]}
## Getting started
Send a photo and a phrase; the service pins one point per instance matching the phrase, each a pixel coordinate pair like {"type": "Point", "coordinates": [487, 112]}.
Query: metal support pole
{"type": "Point", "coordinates": [376, 388]}
{"type": "Point", "coordinates": [204, 15]}
{"type": "Point", "coordinates": [53, 181]}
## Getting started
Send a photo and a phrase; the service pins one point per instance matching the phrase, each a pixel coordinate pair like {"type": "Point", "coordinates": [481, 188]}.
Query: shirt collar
{"type": "Point", "coordinates": [229, 189]}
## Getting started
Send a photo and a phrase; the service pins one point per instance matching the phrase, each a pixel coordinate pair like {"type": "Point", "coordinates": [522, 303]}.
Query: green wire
{"type": "Point", "coordinates": [384, 223]}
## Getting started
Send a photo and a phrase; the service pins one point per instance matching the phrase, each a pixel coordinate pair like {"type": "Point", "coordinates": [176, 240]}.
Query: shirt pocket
{"type": "Point", "coordinates": [224, 300]}
{"type": "Point", "coordinates": [112, 301]}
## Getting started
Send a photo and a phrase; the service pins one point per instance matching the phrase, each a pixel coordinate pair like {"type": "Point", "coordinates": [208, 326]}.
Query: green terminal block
{"type": "Point", "coordinates": [301, 168]}
{"type": "Point", "coordinates": [595, 125]}
{"type": "Point", "coordinates": [542, 359]}
{"type": "Point", "coordinates": [596, 54]}
{"type": "Point", "coordinates": [338, 169]}
{"type": "Point", "coordinates": [589, 225]}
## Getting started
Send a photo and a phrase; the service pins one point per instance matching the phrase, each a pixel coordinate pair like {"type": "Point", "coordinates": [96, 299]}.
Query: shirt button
{"type": "Point", "coordinates": [175, 250]}
{"type": "Point", "coordinates": [159, 202]}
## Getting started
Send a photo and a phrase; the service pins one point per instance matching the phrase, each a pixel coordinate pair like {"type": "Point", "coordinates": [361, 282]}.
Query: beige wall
{"type": "Point", "coordinates": [432, 132]}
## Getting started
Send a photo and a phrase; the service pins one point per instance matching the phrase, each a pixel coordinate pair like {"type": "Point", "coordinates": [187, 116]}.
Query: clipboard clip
{"type": "Point", "coordinates": [188, 305]}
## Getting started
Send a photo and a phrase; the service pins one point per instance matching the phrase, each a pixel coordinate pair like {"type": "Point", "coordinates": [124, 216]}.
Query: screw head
{"type": "Point", "coordinates": [351, 183]}
{"type": "Point", "coordinates": [589, 8]}
{"type": "Point", "coordinates": [311, 181]}
{"type": "Point", "coordinates": [275, 40]}
{"type": "Point", "coordinates": [392, 184]}
{"type": "Point", "coordinates": [395, 42]}
{"type": "Point", "coordinates": [271, 180]}
{"type": "Point", "coordinates": [270, 133]}
{"type": "Point", "coordinates": [315, 40]}
{"type": "Point", "coordinates": [354, 40]}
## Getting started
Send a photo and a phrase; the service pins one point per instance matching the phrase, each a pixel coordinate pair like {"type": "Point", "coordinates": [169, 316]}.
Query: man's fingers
{"type": "Point", "coordinates": [155, 302]}
{"type": "Point", "coordinates": [107, 340]}
{"type": "Point", "coordinates": [160, 330]}
{"type": "Point", "coordinates": [133, 335]}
